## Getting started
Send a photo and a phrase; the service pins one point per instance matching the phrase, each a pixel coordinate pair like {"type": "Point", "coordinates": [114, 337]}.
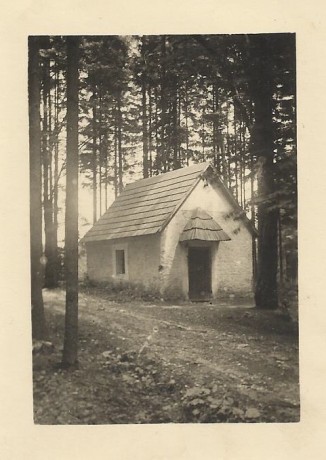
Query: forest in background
{"type": "Point", "coordinates": [150, 104]}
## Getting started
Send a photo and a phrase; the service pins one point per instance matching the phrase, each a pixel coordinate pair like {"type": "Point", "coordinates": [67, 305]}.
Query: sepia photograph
{"type": "Point", "coordinates": [163, 228]}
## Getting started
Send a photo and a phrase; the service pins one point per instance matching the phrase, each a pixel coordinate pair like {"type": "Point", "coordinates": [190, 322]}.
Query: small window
{"type": "Point", "coordinates": [120, 262]}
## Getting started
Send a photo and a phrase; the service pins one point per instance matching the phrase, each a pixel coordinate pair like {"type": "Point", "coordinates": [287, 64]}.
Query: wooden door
{"type": "Point", "coordinates": [199, 269]}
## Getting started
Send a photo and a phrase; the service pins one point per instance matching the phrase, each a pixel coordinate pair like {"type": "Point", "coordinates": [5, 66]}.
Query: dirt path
{"type": "Point", "coordinates": [247, 356]}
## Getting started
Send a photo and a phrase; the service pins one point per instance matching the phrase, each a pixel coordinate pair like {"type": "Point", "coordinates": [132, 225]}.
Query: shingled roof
{"type": "Point", "coordinates": [145, 206]}
{"type": "Point", "coordinates": [202, 226]}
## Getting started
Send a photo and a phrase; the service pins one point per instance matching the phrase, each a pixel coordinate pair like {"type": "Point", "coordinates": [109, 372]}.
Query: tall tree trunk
{"type": "Point", "coordinates": [145, 132]}
{"type": "Point", "coordinates": [163, 153]}
{"type": "Point", "coordinates": [186, 121]}
{"type": "Point", "coordinates": [106, 169]}
{"type": "Point", "coordinates": [266, 294]}
{"type": "Point", "coordinates": [280, 249]}
{"type": "Point", "coordinates": [120, 169]}
{"type": "Point", "coordinates": [266, 286]}
{"type": "Point", "coordinates": [94, 159]}
{"type": "Point", "coordinates": [215, 127]}
{"type": "Point", "coordinates": [253, 220]}
{"type": "Point", "coordinates": [181, 162]}
{"type": "Point", "coordinates": [150, 147]}
{"type": "Point", "coordinates": [203, 134]}
{"type": "Point", "coordinates": [175, 127]}
{"type": "Point", "coordinates": [228, 150]}
{"type": "Point", "coordinates": [38, 317]}
{"type": "Point", "coordinates": [115, 152]}
{"type": "Point", "coordinates": [50, 279]}
{"type": "Point", "coordinates": [236, 171]}
{"type": "Point", "coordinates": [100, 156]}
{"type": "Point", "coordinates": [70, 349]}
{"type": "Point", "coordinates": [56, 174]}
{"type": "Point", "coordinates": [241, 162]}
{"type": "Point", "coordinates": [157, 140]}
{"type": "Point", "coordinates": [222, 154]}
{"type": "Point", "coordinates": [219, 134]}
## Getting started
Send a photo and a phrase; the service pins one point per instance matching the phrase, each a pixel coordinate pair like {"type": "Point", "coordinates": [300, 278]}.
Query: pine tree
{"type": "Point", "coordinates": [105, 138]}
{"type": "Point", "coordinates": [38, 317]}
{"type": "Point", "coordinates": [53, 58]}
{"type": "Point", "coordinates": [70, 349]}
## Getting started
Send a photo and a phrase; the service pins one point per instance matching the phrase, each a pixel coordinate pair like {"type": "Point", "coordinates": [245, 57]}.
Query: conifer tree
{"type": "Point", "coordinates": [38, 317]}
{"type": "Point", "coordinates": [70, 350]}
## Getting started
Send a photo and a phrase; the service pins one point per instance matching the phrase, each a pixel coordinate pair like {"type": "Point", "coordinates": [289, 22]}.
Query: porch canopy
{"type": "Point", "coordinates": [202, 226]}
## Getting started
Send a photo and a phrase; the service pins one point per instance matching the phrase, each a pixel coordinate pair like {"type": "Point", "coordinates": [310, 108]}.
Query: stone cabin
{"type": "Point", "coordinates": [181, 234]}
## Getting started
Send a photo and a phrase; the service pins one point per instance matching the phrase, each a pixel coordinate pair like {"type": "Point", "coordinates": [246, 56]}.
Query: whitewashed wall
{"type": "Point", "coordinates": [142, 260]}
{"type": "Point", "coordinates": [231, 260]}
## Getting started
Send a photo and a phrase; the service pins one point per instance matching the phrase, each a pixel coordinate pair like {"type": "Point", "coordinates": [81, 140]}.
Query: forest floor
{"type": "Point", "coordinates": [157, 362]}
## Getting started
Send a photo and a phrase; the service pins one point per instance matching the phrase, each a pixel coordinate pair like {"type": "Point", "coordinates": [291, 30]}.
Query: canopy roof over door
{"type": "Point", "coordinates": [201, 226]}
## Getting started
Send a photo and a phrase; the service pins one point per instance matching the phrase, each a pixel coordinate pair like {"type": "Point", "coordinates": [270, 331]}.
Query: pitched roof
{"type": "Point", "coordinates": [145, 206]}
{"type": "Point", "coordinates": [202, 226]}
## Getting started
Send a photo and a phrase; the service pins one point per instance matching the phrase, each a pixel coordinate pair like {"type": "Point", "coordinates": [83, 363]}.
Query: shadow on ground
{"type": "Point", "coordinates": [147, 362]}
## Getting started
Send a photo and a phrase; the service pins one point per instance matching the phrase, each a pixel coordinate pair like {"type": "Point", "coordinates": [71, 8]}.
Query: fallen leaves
{"type": "Point", "coordinates": [252, 413]}
{"type": "Point", "coordinates": [215, 405]}
{"type": "Point", "coordinates": [42, 346]}
{"type": "Point", "coordinates": [230, 370]}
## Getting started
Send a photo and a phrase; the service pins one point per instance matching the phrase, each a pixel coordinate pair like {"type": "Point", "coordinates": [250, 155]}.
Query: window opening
{"type": "Point", "coordinates": [120, 262]}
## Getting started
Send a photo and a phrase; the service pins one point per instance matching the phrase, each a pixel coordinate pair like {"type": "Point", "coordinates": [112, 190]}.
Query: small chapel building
{"type": "Point", "coordinates": [181, 234]}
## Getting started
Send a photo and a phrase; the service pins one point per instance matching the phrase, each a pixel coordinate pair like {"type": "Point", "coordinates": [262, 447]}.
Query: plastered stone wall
{"type": "Point", "coordinates": [231, 260]}
{"type": "Point", "coordinates": [142, 260]}
{"type": "Point", "coordinates": [99, 260]}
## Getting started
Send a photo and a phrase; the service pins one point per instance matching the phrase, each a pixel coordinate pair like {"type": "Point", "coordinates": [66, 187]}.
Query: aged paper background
{"type": "Point", "coordinates": [19, 438]}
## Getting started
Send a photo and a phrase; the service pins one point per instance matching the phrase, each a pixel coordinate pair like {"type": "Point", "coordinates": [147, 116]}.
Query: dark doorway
{"type": "Point", "coordinates": [199, 267]}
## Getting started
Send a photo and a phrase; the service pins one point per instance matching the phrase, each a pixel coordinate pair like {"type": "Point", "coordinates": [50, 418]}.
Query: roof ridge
{"type": "Point", "coordinates": [167, 174]}
{"type": "Point", "coordinates": [147, 198]}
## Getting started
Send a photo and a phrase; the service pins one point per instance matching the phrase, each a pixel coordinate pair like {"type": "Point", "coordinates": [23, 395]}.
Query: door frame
{"type": "Point", "coordinates": [209, 293]}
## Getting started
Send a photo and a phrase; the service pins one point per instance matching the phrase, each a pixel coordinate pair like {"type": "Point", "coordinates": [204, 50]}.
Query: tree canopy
{"type": "Point", "coordinates": [150, 104]}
